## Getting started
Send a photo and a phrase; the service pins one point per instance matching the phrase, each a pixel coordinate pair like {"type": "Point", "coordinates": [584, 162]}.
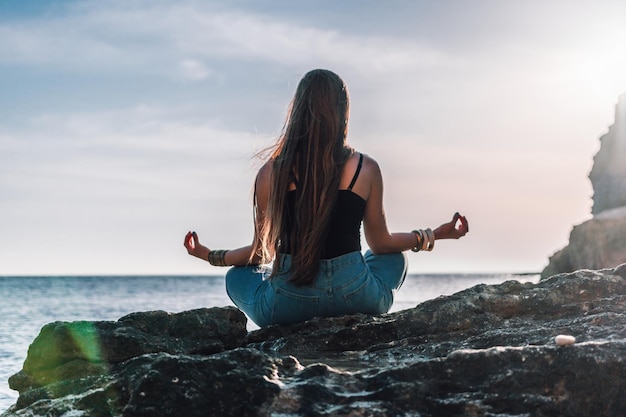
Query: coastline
{"type": "Point", "coordinates": [62, 298]}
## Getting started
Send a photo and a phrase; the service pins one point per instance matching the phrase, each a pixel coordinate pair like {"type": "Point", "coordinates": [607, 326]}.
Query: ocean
{"type": "Point", "coordinates": [28, 303]}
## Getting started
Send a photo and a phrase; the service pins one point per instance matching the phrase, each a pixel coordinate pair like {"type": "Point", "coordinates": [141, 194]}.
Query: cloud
{"type": "Point", "coordinates": [125, 182]}
{"type": "Point", "coordinates": [194, 70]}
{"type": "Point", "coordinates": [121, 156]}
{"type": "Point", "coordinates": [159, 37]}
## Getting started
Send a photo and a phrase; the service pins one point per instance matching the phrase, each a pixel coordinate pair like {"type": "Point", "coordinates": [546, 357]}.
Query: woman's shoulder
{"type": "Point", "coordinates": [265, 171]}
{"type": "Point", "coordinates": [363, 179]}
{"type": "Point", "coordinates": [369, 164]}
{"type": "Point", "coordinates": [263, 176]}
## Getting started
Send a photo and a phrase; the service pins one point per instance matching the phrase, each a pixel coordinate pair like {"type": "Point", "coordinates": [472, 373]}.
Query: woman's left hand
{"type": "Point", "coordinates": [454, 229]}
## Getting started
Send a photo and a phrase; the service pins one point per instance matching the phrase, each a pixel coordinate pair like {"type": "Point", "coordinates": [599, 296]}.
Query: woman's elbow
{"type": "Point", "coordinates": [381, 243]}
{"type": "Point", "coordinates": [380, 248]}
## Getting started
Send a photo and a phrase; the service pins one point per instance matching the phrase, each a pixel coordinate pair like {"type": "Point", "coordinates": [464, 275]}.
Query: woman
{"type": "Point", "coordinates": [311, 198]}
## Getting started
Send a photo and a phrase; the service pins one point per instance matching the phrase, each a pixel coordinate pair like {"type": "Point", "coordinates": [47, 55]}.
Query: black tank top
{"type": "Point", "coordinates": [344, 232]}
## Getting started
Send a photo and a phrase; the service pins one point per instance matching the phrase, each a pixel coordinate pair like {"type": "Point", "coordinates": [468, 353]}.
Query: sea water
{"type": "Point", "coordinates": [28, 303]}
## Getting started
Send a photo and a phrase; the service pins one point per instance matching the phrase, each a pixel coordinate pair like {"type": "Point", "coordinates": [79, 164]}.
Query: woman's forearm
{"type": "Point", "coordinates": [393, 242]}
{"type": "Point", "coordinates": [241, 257]}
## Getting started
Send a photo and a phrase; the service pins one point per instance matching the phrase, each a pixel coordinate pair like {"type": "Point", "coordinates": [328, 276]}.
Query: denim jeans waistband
{"type": "Point", "coordinates": [327, 265]}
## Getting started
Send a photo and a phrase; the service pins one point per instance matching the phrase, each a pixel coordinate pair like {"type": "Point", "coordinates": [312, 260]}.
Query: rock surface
{"type": "Point", "coordinates": [485, 351]}
{"type": "Point", "coordinates": [601, 241]}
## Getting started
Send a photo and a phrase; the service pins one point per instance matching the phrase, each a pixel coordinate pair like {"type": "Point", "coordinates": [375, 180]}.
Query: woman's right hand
{"type": "Point", "coordinates": [193, 246]}
{"type": "Point", "coordinates": [454, 229]}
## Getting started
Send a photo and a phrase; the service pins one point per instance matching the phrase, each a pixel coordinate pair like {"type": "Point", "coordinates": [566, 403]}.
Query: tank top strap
{"type": "Point", "coordinates": [356, 174]}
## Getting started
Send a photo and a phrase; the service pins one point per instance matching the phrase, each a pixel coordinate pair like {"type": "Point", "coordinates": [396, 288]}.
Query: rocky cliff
{"type": "Point", "coordinates": [601, 241]}
{"type": "Point", "coordinates": [485, 351]}
{"type": "Point", "coordinates": [608, 175]}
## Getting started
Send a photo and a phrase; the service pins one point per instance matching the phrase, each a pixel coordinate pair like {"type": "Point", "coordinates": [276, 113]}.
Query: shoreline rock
{"type": "Point", "coordinates": [487, 350]}
{"type": "Point", "coordinates": [601, 241]}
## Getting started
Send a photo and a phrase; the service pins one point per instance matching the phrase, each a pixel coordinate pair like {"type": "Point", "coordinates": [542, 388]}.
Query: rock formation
{"type": "Point", "coordinates": [601, 241]}
{"type": "Point", "coordinates": [486, 351]}
{"type": "Point", "coordinates": [608, 175]}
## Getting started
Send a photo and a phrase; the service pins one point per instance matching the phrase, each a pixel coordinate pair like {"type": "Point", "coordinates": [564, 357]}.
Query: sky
{"type": "Point", "coordinates": [126, 123]}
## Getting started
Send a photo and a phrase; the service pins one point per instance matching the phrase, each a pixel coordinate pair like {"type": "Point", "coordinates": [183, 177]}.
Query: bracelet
{"type": "Point", "coordinates": [216, 257]}
{"type": "Point", "coordinates": [420, 239]}
{"type": "Point", "coordinates": [429, 243]}
{"type": "Point", "coordinates": [425, 240]}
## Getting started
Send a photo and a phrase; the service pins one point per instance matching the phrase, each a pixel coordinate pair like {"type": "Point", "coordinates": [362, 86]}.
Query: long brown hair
{"type": "Point", "coordinates": [311, 152]}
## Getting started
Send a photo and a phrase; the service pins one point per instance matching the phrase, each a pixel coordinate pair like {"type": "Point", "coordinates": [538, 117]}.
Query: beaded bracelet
{"type": "Point", "coordinates": [216, 257]}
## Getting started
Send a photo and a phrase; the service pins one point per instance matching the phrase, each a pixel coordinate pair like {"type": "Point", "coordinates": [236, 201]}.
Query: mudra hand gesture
{"type": "Point", "coordinates": [193, 246]}
{"type": "Point", "coordinates": [454, 229]}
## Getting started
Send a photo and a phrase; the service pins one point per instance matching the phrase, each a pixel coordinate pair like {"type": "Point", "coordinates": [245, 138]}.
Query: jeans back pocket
{"type": "Point", "coordinates": [367, 298]}
{"type": "Point", "coordinates": [290, 307]}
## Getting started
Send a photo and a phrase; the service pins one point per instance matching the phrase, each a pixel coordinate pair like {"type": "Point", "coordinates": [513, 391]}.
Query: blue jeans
{"type": "Point", "coordinates": [348, 284]}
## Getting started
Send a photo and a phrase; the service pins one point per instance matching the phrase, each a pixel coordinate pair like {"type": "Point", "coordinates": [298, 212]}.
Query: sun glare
{"type": "Point", "coordinates": [600, 64]}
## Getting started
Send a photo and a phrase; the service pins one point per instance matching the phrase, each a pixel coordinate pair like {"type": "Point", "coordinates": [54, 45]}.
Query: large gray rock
{"type": "Point", "coordinates": [72, 352]}
{"type": "Point", "coordinates": [485, 351]}
{"type": "Point", "coordinates": [601, 241]}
